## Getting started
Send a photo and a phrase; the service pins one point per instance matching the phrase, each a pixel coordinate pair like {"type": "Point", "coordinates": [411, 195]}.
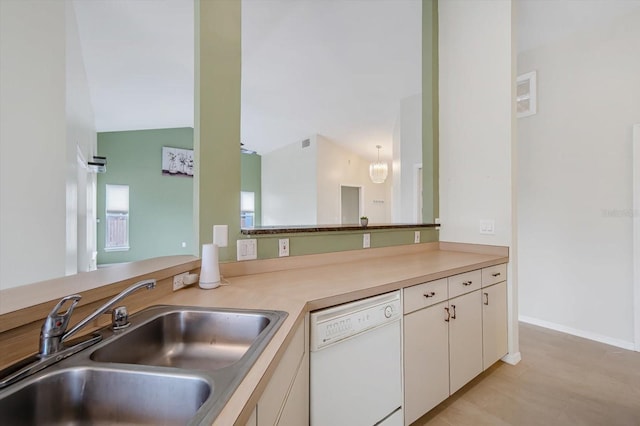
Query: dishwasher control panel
{"type": "Point", "coordinates": [334, 324]}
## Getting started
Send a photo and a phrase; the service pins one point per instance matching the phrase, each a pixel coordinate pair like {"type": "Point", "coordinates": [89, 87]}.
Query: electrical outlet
{"type": "Point", "coordinates": [416, 237]}
{"type": "Point", "coordinates": [178, 281]}
{"type": "Point", "coordinates": [366, 240]}
{"type": "Point", "coordinates": [283, 247]}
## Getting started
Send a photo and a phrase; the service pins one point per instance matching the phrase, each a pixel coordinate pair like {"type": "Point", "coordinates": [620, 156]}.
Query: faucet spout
{"type": "Point", "coordinates": [148, 284]}
{"type": "Point", "coordinates": [53, 334]}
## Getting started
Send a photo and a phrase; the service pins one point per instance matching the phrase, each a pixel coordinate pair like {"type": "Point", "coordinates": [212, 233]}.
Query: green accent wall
{"type": "Point", "coordinates": [325, 242]}
{"type": "Point", "coordinates": [430, 117]}
{"type": "Point", "coordinates": [217, 120]}
{"type": "Point", "coordinates": [251, 180]}
{"type": "Point", "coordinates": [160, 207]}
{"type": "Point", "coordinates": [217, 138]}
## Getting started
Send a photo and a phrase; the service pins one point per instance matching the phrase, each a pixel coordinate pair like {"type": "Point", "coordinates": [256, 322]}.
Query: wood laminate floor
{"type": "Point", "coordinates": [561, 380]}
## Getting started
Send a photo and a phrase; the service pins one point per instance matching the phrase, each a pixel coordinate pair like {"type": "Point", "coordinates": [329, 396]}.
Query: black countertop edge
{"type": "Point", "coordinates": [270, 230]}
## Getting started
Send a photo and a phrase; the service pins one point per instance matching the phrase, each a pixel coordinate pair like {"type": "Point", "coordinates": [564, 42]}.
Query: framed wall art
{"type": "Point", "coordinates": [177, 162]}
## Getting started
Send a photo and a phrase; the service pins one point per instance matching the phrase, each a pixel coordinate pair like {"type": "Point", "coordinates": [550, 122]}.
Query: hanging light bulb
{"type": "Point", "coordinates": [378, 170]}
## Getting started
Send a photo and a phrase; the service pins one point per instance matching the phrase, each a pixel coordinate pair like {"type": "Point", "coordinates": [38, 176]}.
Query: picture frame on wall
{"type": "Point", "coordinates": [526, 94]}
{"type": "Point", "coordinates": [177, 162]}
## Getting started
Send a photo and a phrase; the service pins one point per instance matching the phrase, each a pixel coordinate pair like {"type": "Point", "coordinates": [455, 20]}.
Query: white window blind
{"type": "Point", "coordinates": [247, 209]}
{"type": "Point", "coordinates": [117, 213]}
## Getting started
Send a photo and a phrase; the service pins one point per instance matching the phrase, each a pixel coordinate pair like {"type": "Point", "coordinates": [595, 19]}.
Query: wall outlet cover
{"type": "Point", "coordinates": [283, 247]}
{"type": "Point", "coordinates": [366, 240]}
{"type": "Point", "coordinates": [178, 281]}
{"type": "Point", "coordinates": [416, 237]}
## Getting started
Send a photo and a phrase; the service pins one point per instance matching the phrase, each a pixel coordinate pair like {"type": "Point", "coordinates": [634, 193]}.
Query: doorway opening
{"type": "Point", "coordinates": [350, 205]}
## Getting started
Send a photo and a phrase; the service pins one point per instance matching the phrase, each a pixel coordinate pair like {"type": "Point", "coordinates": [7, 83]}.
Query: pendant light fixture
{"type": "Point", "coordinates": [378, 170]}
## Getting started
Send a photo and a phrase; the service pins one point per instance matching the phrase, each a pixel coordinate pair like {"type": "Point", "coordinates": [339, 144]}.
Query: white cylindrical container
{"type": "Point", "coordinates": [209, 269]}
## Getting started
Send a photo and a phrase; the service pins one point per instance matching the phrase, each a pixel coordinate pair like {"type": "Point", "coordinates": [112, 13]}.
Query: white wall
{"type": "Point", "coordinates": [407, 154]}
{"type": "Point", "coordinates": [475, 120]}
{"type": "Point", "coordinates": [338, 166]}
{"type": "Point", "coordinates": [81, 137]}
{"type": "Point", "coordinates": [32, 141]}
{"type": "Point", "coordinates": [575, 204]}
{"type": "Point", "coordinates": [476, 69]}
{"type": "Point", "coordinates": [46, 115]}
{"type": "Point", "coordinates": [289, 193]}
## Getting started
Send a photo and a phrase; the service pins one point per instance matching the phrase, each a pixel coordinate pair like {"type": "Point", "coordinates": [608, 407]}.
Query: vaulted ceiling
{"type": "Point", "coordinates": [337, 68]}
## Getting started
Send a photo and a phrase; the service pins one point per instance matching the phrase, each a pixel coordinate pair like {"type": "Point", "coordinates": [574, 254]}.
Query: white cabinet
{"type": "Point", "coordinates": [494, 323]}
{"type": "Point", "coordinates": [253, 420]}
{"type": "Point", "coordinates": [285, 400]}
{"type": "Point", "coordinates": [465, 339]}
{"type": "Point", "coordinates": [454, 328]}
{"type": "Point", "coordinates": [426, 360]}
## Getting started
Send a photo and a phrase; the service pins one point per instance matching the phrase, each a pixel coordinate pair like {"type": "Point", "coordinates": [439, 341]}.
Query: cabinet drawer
{"type": "Point", "coordinates": [423, 295]}
{"type": "Point", "coordinates": [464, 283]}
{"type": "Point", "coordinates": [494, 274]}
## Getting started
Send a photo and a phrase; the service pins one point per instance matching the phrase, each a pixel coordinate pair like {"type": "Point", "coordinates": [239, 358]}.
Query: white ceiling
{"type": "Point", "coordinates": [337, 68]}
{"type": "Point", "coordinates": [139, 61]}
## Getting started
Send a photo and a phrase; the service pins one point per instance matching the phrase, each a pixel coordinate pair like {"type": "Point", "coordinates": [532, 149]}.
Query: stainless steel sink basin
{"type": "Point", "coordinates": [193, 339]}
{"type": "Point", "coordinates": [88, 395]}
{"type": "Point", "coordinates": [173, 365]}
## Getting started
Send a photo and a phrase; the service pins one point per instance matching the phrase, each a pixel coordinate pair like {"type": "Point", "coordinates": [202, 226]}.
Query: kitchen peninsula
{"type": "Point", "coordinates": [296, 285]}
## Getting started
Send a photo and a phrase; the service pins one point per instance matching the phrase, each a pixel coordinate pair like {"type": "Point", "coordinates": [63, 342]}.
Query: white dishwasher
{"type": "Point", "coordinates": [356, 363]}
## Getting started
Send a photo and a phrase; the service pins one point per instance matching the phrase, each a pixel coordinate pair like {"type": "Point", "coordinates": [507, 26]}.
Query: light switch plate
{"type": "Point", "coordinates": [366, 240]}
{"type": "Point", "coordinates": [247, 249]}
{"type": "Point", "coordinates": [488, 226]}
{"type": "Point", "coordinates": [221, 235]}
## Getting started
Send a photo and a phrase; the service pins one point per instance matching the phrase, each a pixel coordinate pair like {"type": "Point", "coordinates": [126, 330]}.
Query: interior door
{"type": "Point", "coordinates": [350, 204]}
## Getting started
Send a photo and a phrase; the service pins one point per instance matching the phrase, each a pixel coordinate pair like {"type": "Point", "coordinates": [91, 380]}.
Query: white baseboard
{"type": "Point", "coordinates": [580, 333]}
{"type": "Point", "coordinates": [512, 359]}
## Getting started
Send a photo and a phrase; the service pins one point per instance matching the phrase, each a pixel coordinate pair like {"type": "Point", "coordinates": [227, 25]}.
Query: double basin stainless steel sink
{"type": "Point", "coordinates": [173, 366]}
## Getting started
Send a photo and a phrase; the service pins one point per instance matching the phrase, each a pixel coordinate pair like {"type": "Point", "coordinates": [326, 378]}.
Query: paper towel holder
{"type": "Point", "coordinates": [209, 268]}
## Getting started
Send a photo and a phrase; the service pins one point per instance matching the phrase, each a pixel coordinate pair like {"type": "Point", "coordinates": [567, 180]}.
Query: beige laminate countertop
{"type": "Point", "coordinates": [298, 291]}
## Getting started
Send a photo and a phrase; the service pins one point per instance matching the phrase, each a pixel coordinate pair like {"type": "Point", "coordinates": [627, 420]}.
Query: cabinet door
{"type": "Point", "coordinates": [296, 407]}
{"type": "Point", "coordinates": [426, 360]}
{"type": "Point", "coordinates": [275, 394]}
{"type": "Point", "coordinates": [253, 420]}
{"type": "Point", "coordinates": [465, 339]}
{"type": "Point", "coordinates": [494, 323]}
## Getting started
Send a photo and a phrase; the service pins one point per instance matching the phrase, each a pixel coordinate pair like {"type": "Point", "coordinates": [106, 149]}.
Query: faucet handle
{"type": "Point", "coordinates": [120, 318]}
{"type": "Point", "coordinates": [56, 323]}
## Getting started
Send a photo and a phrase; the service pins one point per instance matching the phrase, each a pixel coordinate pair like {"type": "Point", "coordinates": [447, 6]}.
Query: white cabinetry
{"type": "Point", "coordinates": [444, 325]}
{"type": "Point", "coordinates": [285, 400]}
{"type": "Point", "coordinates": [426, 360]}
{"type": "Point", "coordinates": [494, 314]}
{"type": "Point", "coordinates": [465, 340]}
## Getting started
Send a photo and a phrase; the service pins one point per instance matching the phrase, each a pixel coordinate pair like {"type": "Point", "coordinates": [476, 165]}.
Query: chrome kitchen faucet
{"type": "Point", "coordinates": [54, 332]}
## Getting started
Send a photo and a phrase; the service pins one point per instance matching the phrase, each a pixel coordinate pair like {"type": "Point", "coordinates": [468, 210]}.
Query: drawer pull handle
{"type": "Point", "coordinates": [454, 312]}
{"type": "Point", "coordinates": [448, 314]}
{"type": "Point", "coordinates": [495, 274]}
{"type": "Point", "coordinates": [466, 283]}
{"type": "Point", "coordinates": [486, 299]}
{"type": "Point", "coordinates": [430, 294]}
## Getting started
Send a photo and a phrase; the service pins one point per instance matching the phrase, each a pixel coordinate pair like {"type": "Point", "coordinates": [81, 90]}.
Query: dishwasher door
{"type": "Point", "coordinates": [358, 381]}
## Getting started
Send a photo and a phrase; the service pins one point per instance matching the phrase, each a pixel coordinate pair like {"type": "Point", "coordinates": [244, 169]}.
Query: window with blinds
{"type": "Point", "coordinates": [117, 214]}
